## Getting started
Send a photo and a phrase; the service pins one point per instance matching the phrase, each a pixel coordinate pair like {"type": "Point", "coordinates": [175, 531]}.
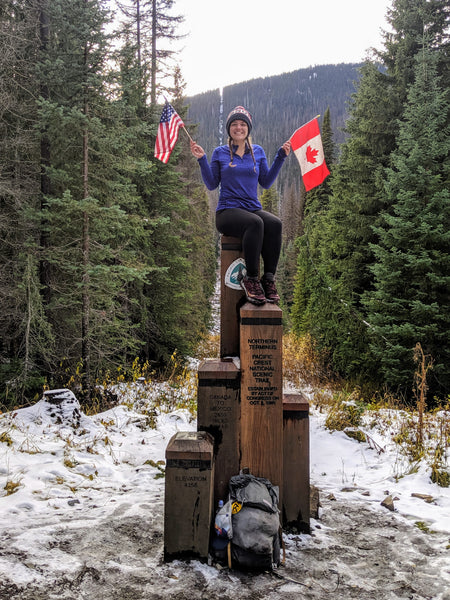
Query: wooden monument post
{"type": "Point", "coordinates": [230, 299]}
{"type": "Point", "coordinates": [244, 422]}
{"type": "Point", "coordinates": [262, 391]}
{"type": "Point", "coordinates": [296, 489]}
{"type": "Point", "coordinates": [218, 413]}
{"type": "Point", "coordinates": [188, 503]}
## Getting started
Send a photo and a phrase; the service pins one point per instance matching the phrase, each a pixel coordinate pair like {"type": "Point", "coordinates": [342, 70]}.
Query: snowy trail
{"type": "Point", "coordinates": [86, 517]}
{"type": "Point", "coordinates": [354, 552]}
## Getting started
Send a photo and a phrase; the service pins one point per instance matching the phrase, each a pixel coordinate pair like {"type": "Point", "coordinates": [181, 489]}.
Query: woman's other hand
{"type": "Point", "coordinates": [196, 150]}
{"type": "Point", "coordinates": [287, 147]}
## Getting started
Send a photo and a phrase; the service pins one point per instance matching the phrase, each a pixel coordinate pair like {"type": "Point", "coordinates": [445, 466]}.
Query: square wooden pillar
{"type": "Point", "coordinates": [262, 391]}
{"type": "Point", "coordinates": [230, 298]}
{"type": "Point", "coordinates": [296, 485]}
{"type": "Point", "coordinates": [218, 413]}
{"type": "Point", "coordinates": [188, 505]}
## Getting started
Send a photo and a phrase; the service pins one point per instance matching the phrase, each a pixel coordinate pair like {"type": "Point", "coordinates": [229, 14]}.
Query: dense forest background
{"type": "Point", "coordinates": [105, 255]}
{"type": "Point", "coordinates": [107, 262]}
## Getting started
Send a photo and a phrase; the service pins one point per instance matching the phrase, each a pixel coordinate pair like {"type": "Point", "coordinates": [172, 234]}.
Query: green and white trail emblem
{"type": "Point", "coordinates": [235, 272]}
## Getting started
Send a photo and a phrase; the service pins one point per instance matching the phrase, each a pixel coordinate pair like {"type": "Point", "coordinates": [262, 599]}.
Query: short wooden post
{"type": "Point", "coordinates": [188, 506]}
{"type": "Point", "coordinates": [218, 413]}
{"type": "Point", "coordinates": [296, 488]}
{"type": "Point", "coordinates": [230, 299]}
{"type": "Point", "coordinates": [262, 391]}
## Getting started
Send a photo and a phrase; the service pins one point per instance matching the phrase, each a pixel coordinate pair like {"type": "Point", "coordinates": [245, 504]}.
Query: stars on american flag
{"type": "Point", "coordinates": [167, 135]}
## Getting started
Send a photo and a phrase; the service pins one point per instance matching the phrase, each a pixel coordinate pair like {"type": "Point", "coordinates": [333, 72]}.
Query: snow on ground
{"type": "Point", "coordinates": [339, 463]}
{"type": "Point", "coordinates": [82, 500]}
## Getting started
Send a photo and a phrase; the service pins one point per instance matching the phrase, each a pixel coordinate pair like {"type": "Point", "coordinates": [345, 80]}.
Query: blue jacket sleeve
{"type": "Point", "coordinates": [267, 176]}
{"type": "Point", "coordinates": [210, 173]}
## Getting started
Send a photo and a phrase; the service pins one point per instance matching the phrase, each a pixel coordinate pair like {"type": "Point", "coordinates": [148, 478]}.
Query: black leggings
{"type": "Point", "coordinates": [260, 232]}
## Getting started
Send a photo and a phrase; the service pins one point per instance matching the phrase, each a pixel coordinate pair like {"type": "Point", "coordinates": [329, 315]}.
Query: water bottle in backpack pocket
{"type": "Point", "coordinates": [223, 531]}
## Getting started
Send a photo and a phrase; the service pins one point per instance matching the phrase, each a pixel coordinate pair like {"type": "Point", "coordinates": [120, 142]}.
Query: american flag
{"type": "Point", "coordinates": [166, 139]}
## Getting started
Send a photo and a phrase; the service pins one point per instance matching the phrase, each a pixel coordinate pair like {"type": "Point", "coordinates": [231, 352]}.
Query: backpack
{"type": "Point", "coordinates": [255, 536]}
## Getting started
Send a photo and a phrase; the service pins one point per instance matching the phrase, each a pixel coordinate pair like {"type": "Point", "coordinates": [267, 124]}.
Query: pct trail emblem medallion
{"type": "Point", "coordinates": [235, 272]}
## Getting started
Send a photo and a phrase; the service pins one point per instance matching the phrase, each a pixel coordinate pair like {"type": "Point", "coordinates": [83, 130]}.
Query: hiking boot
{"type": "Point", "coordinates": [270, 289]}
{"type": "Point", "coordinates": [253, 290]}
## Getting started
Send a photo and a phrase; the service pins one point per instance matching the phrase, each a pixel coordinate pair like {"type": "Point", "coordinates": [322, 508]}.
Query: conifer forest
{"type": "Point", "coordinates": [109, 256]}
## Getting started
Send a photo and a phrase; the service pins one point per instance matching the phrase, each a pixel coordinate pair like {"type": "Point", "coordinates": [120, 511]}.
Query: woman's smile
{"type": "Point", "coordinates": [238, 129]}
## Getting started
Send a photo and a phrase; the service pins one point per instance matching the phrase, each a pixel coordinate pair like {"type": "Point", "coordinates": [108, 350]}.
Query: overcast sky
{"type": "Point", "coordinates": [229, 41]}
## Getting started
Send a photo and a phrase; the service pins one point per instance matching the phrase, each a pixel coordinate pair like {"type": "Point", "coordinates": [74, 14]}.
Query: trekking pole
{"type": "Point", "coordinates": [229, 554]}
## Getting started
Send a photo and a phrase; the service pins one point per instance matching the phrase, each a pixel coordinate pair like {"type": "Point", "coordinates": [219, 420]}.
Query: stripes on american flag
{"type": "Point", "coordinates": [167, 136]}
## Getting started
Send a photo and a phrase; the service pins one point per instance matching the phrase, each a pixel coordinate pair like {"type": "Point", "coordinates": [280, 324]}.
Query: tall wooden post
{"type": "Point", "coordinates": [262, 391]}
{"type": "Point", "coordinates": [296, 489]}
{"type": "Point", "coordinates": [230, 299]}
{"type": "Point", "coordinates": [218, 413]}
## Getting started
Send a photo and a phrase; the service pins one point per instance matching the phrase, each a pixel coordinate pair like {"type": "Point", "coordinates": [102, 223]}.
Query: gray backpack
{"type": "Point", "coordinates": [255, 542]}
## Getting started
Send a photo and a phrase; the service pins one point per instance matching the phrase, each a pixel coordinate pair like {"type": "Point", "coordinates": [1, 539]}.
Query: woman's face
{"type": "Point", "coordinates": [238, 130]}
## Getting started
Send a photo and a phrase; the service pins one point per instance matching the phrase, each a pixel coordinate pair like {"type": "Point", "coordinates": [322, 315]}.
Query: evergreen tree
{"type": "Point", "coordinates": [292, 212]}
{"type": "Point", "coordinates": [340, 241]}
{"type": "Point", "coordinates": [309, 284]}
{"type": "Point", "coordinates": [103, 255]}
{"type": "Point", "coordinates": [338, 227]}
{"type": "Point", "coordinates": [270, 200]}
{"type": "Point", "coordinates": [286, 276]}
{"type": "Point", "coordinates": [94, 247]}
{"type": "Point", "coordinates": [358, 195]}
{"type": "Point", "coordinates": [173, 306]}
{"type": "Point", "coordinates": [24, 330]}
{"type": "Point", "coordinates": [412, 277]}
{"type": "Point", "coordinates": [408, 20]}
{"type": "Point", "coordinates": [150, 29]}
{"type": "Point", "coordinates": [200, 232]}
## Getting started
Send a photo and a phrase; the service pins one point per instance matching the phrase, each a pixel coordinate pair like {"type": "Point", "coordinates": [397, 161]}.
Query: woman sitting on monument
{"type": "Point", "coordinates": [239, 167]}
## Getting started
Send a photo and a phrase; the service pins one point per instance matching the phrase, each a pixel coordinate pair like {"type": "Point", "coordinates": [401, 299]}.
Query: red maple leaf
{"type": "Point", "coordinates": [311, 154]}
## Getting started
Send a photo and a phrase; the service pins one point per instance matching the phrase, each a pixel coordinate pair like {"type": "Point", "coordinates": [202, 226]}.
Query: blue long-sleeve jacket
{"type": "Point", "coordinates": [239, 183]}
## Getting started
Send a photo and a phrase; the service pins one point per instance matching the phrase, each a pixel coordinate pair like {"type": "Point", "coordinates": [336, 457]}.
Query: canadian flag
{"type": "Point", "coordinates": [306, 143]}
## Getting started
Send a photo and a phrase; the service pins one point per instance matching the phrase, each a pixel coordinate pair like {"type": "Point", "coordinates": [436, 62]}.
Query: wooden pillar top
{"type": "Point", "coordinates": [231, 243]}
{"type": "Point", "coordinates": [213, 368]}
{"type": "Point", "coordinates": [267, 314]}
{"type": "Point", "coordinates": [191, 445]}
{"type": "Point", "coordinates": [295, 401]}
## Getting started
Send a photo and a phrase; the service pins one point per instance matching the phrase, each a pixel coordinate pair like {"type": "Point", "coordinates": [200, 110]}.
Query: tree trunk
{"type": "Point", "coordinates": [28, 319]}
{"type": "Point", "coordinates": [85, 341]}
{"type": "Point", "coordinates": [154, 62]}
{"type": "Point", "coordinates": [44, 266]}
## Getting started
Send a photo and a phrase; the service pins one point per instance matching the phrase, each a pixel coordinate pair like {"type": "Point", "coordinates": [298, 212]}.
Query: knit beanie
{"type": "Point", "coordinates": [241, 114]}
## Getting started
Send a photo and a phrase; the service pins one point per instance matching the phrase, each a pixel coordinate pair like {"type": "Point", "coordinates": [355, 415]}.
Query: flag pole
{"type": "Point", "coordinates": [187, 132]}
{"type": "Point", "coordinates": [316, 117]}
